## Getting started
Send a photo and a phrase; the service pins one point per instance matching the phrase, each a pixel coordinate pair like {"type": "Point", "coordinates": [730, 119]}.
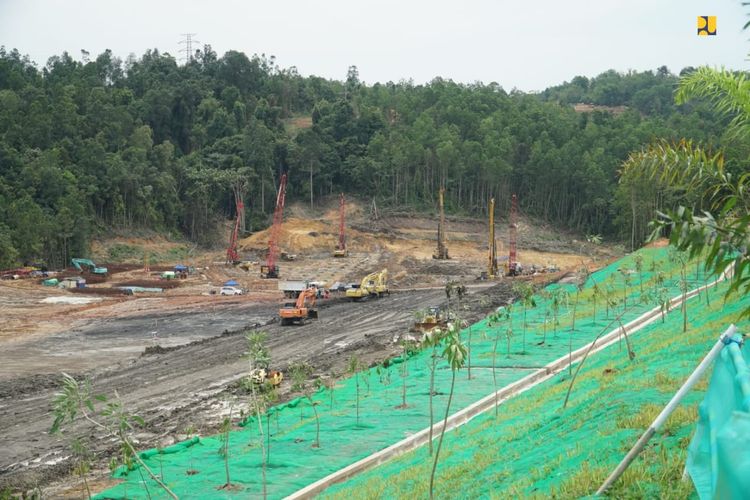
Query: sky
{"type": "Point", "coordinates": [528, 45]}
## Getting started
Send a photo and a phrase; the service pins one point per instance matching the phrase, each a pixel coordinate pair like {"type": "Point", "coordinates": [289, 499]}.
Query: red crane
{"type": "Point", "coordinates": [512, 231]}
{"type": "Point", "coordinates": [341, 248]}
{"type": "Point", "coordinates": [232, 255]}
{"type": "Point", "coordinates": [270, 269]}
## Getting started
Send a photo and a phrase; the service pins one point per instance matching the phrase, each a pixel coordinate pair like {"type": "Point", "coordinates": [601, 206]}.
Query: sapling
{"type": "Point", "coordinates": [638, 259]}
{"type": "Point", "coordinates": [558, 297]}
{"type": "Point", "coordinates": [663, 300]}
{"type": "Point", "coordinates": [509, 329]}
{"type": "Point", "coordinates": [190, 432]}
{"type": "Point", "coordinates": [384, 375]}
{"type": "Point", "coordinates": [525, 293]}
{"type": "Point", "coordinates": [596, 292]}
{"type": "Point", "coordinates": [455, 353]}
{"type": "Point", "coordinates": [432, 339]}
{"type": "Point", "coordinates": [579, 288]}
{"type": "Point", "coordinates": [301, 372]}
{"type": "Point", "coordinates": [76, 399]}
{"type": "Point", "coordinates": [82, 458]}
{"type": "Point", "coordinates": [627, 280]}
{"type": "Point", "coordinates": [260, 359]}
{"type": "Point", "coordinates": [353, 369]}
{"type": "Point", "coordinates": [226, 426]}
{"type": "Point", "coordinates": [406, 345]}
{"type": "Point", "coordinates": [498, 316]}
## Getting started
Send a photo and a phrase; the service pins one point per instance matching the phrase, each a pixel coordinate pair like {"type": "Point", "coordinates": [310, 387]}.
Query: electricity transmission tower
{"type": "Point", "coordinates": [188, 40]}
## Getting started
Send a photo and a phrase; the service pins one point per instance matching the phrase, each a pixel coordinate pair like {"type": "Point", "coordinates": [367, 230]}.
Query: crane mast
{"type": "Point", "coordinates": [492, 264]}
{"type": "Point", "coordinates": [341, 250]}
{"type": "Point", "coordinates": [512, 232]}
{"type": "Point", "coordinates": [442, 248]}
{"type": "Point", "coordinates": [270, 269]}
{"type": "Point", "coordinates": [232, 255]}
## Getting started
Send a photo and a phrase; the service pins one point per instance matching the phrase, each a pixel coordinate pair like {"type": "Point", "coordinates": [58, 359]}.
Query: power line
{"type": "Point", "coordinates": [188, 41]}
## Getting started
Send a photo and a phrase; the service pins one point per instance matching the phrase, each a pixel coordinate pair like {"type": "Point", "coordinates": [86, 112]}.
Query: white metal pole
{"type": "Point", "coordinates": [659, 421]}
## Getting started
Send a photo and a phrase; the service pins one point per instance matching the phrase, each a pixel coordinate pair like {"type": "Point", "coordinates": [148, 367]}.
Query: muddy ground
{"type": "Point", "coordinates": [192, 383]}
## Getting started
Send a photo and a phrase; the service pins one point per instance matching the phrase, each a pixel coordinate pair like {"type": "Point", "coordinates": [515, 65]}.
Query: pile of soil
{"type": "Point", "coordinates": [97, 291]}
{"type": "Point", "coordinates": [121, 268]}
{"type": "Point", "coordinates": [166, 284]}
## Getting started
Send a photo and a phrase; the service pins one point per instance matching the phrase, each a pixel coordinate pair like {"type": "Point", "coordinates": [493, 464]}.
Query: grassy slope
{"type": "Point", "coordinates": [537, 449]}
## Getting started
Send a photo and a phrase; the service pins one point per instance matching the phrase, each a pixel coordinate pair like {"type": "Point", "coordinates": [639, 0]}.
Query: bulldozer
{"type": "Point", "coordinates": [372, 285]}
{"type": "Point", "coordinates": [300, 312]}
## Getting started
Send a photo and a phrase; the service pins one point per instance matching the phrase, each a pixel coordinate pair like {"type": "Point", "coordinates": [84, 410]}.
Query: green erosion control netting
{"type": "Point", "coordinates": [719, 454]}
{"type": "Point", "coordinates": [294, 463]}
{"type": "Point", "coordinates": [537, 449]}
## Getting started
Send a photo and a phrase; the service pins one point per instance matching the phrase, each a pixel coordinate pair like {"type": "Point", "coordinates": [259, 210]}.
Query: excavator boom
{"type": "Point", "coordinates": [300, 311]}
{"type": "Point", "coordinates": [372, 285]}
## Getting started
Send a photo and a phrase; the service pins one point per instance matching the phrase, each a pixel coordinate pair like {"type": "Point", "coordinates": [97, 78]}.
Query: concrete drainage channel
{"type": "Point", "coordinates": [487, 403]}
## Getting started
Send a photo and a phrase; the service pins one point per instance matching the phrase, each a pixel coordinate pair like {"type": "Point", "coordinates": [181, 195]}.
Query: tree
{"type": "Point", "coordinates": [718, 216]}
{"type": "Point", "coordinates": [76, 399]}
{"type": "Point", "coordinates": [455, 353]}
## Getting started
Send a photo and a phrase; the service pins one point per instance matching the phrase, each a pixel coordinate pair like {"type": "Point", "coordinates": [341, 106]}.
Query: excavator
{"type": "Point", "coordinates": [80, 264]}
{"type": "Point", "coordinates": [300, 312]}
{"type": "Point", "coordinates": [372, 285]}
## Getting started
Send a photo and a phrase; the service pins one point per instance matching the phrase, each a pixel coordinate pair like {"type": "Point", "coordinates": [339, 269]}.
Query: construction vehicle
{"type": "Point", "coordinates": [513, 267]}
{"type": "Point", "coordinates": [492, 254]}
{"type": "Point", "coordinates": [300, 312]}
{"type": "Point", "coordinates": [433, 318]}
{"type": "Point", "coordinates": [341, 250]}
{"type": "Point", "coordinates": [88, 265]}
{"type": "Point", "coordinates": [442, 248]}
{"type": "Point", "coordinates": [270, 269]}
{"type": "Point", "coordinates": [292, 288]}
{"type": "Point", "coordinates": [372, 285]}
{"type": "Point", "coordinates": [232, 255]}
{"type": "Point", "coordinates": [261, 376]}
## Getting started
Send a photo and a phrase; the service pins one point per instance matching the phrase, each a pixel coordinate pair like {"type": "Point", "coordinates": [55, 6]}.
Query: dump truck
{"type": "Point", "coordinates": [292, 288]}
{"type": "Point", "coordinates": [300, 312]}
{"type": "Point", "coordinates": [372, 285]}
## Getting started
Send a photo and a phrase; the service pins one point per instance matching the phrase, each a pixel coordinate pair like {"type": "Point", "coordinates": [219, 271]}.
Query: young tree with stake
{"type": "Point", "coordinates": [455, 353]}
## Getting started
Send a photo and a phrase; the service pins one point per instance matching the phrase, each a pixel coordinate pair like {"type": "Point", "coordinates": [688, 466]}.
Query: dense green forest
{"type": "Point", "coordinates": [149, 143]}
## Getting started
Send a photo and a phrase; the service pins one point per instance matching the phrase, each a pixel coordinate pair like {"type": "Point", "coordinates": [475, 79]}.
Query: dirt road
{"type": "Point", "coordinates": [190, 383]}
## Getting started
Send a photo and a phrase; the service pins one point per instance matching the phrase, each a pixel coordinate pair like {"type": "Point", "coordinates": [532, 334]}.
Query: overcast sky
{"type": "Point", "coordinates": [528, 45]}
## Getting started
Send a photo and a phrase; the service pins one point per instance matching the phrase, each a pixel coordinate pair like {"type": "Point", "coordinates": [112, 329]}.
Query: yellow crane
{"type": "Point", "coordinates": [442, 248]}
{"type": "Point", "coordinates": [372, 285]}
{"type": "Point", "coordinates": [492, 264]}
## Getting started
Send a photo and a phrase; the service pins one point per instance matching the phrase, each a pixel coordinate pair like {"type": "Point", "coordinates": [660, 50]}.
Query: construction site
{"type": "Point", "coordinates": [354, 298]}
{"type": "Point", "coordinates": [169, 337]}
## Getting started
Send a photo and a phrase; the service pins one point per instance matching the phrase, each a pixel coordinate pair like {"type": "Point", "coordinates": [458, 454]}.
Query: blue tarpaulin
{"type": "Point", "coordinates": [231, 283]}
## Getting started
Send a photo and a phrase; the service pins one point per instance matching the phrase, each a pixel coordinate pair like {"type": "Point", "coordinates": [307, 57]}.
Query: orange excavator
{"type": "Point", "coordinates": [300, 312]}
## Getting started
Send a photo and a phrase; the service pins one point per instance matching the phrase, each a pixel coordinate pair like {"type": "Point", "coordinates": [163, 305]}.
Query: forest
{"type": "Point", "coordinates": [100, 144]}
